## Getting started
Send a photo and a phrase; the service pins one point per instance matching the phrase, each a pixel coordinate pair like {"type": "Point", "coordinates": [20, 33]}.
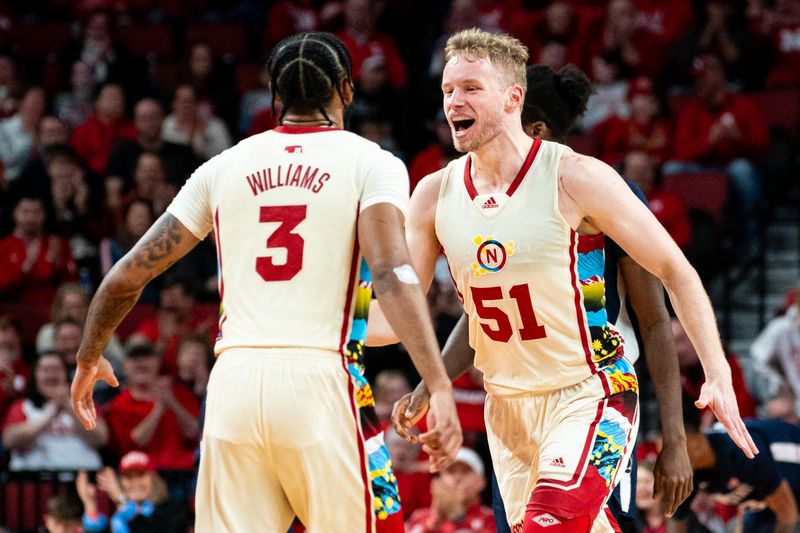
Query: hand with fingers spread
{"type": "Point", "coordinates": [718, 396]}
{"type": "Point", "coordinates": [86, 375]}
{"type": "Point", "coordinates": [443, 438]}
{"type": "Point", "coordinates": [672, 476]}
{"type": "Point", "coordinates": [409, 410]}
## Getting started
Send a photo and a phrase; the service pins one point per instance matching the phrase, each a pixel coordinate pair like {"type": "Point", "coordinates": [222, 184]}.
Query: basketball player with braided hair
{"type": "Point", "coordinates": [293, 211]}
{"type": "Point", "coordinates": [522, 222]}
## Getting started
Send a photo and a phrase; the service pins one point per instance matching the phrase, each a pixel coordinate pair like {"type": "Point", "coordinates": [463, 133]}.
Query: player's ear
{"type": "Point", "coordinates": [537, 130]}
{"type": "Point", "coordinates": [515, 97]}
{"type": "Point", "coordinates": [348, 91]}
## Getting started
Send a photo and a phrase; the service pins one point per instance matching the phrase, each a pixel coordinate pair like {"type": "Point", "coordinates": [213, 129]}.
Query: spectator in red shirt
{"type": "Point", "coordinates": [94, 139]}
{"type": "Point", "coordinates": [692, 376]}
{"type": "Point", "coordinates": [435, 156]}
{"type": "Point", "coordinates": [33, 263]}
{"type": "Point", "coordinates": [153, 414]}
{"type": "Point", "coordinates": [721, 130]}
{"type": "Point", "coordinates": [176, 317]}
{"type": "Point", "coordinates": [363, 41]}
{"type": "Point", "coordinates": [150, 184]}
{"type": "Point", "coordinates": [645, 129]}
{"type": "Point", "coordinates": [560, 23]}
{"type": "Point", "coordinates": [781, 25]}
{"type": "Point", "coordinates": [470, 396]}
{"type": "Point", "coordinates": [641, 51]}
{"type": "Point", "coordinates": [195, 359]}
{"type": "Point", "coordinates": [667, 206]}
{"type": "Point", "coordinates": [456, 505]}
{"type": "Point", "coordinates": [14, 371]}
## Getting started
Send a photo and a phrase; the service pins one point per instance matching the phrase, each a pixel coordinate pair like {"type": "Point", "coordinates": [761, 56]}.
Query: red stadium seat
{"type": "Point", "coordinates": [147, 39]}
{"type": "Point", "coordinates": [702, 191]}
{"type": "Point", "coordinates": [780, 108]}
{"type": "Point", "coordinates": [223, 38]}
{"type": "Point", "coordinates": [40, 40]}
{"type": "Point", "coordinates": [31, 317]}
{"type": "Point", "coordinates": [585, 144]}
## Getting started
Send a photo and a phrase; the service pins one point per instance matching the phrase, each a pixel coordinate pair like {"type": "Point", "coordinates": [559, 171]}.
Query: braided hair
{"type": "Point", "coordinates": [555, 98]}
{"type": "Point", "coordinates": [306, 69]}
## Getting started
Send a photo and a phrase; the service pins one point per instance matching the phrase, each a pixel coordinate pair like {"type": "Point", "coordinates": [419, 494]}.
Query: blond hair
{"type": "Point", "coordinates": [505, 52]}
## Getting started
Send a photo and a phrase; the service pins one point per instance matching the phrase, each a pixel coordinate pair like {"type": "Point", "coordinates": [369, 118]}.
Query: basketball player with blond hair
{"type": "Point", "coordinates": [521, 222]}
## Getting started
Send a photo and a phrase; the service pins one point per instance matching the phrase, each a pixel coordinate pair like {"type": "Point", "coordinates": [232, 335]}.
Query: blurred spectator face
{"type": "Point", "coordinates": [464, 478]}
{"type": "Point", "coordinates": [29, 218]}
{"type": "Point", "coordinates": [687, 356]}
{"type": "Point", "coordinates": [201, 60]}
{"type": "Point", "coordinates": [373, 74]}
{"type": "Point", "coordinates": [463, 14]}
{"type": "Point", "coordinates": [603, 72]}
{"type": "Point", "coordinates": [148, 118]}
{"type": "Point", "coordinates": [10, 342]}
{"type": "Point", "coordinates": [644, 104]}
{"type": "Point", "coordinates": [639, 169]}
{"type": "Point", "coordinates": [359, 16]}
{"type": "Point", "coordinates": [645, 483]}
{"type": "Point", "coordinates": [31, 108]}
{"type": "Point", "coordinates": [138, 219]}
{"type": "Point", "coordinates": [404, 454]}
{"type": "Point", "coordinates": [81, 77]}
{"type": "Point", "coordinates": [149, 172]}
{"type": "Point", "coordinates": [185, 102]}
{"type": "Point", "coordinates": [67, 340]}
{"type": "Point", "coordinates": [50, 376]}
{"type": "Point", "coordinates": [97, 28]}
{"type": "Point", "coordinates": [559, 18]}
{"type": "Point", "coordinates": [141, 371]}
{"type": "Point", "coordinates": [554, 55]}
{"type": "Point", "coordinates": [52, 131]}
{"type": "Point", "coordinates": [621, 17]}
{"type": "Point", "coordinates": [62, 171]}
{"type": "Point", "coordinates": [74, 306]}
{"type": "Point", "coordinates": [709, 77]}
{"type": "Point", "coordinates": [136, 485]}
{"type": "Point", "coordinates": [192, 361]}
{"type": "Point", "coordinates": [389, 387]}
{"type": "Point", "coordinates": [110, 104]}
{"type": "Point", "coordinates": [176, 299]}
{"type": "Point", "coordinates": [8, 71]}
{"type": "Point", "coordinates": [55, 525]}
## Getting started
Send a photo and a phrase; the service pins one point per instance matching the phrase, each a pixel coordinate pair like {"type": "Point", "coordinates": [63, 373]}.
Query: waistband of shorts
{"type": "Point", "coordinates": [282, 354]}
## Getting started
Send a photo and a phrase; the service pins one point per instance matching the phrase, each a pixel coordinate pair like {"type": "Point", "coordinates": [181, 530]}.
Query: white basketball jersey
{"type": "Point", "coordinates": [284, 207]}
{"type": "Point", "coordinates": [532, 287]}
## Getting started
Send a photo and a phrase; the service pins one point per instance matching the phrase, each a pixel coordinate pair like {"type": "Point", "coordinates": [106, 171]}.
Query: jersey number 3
{"type": "Point", "coordinates": [289, 217]}
{"type": "Point", "coordinates": [531, 329]}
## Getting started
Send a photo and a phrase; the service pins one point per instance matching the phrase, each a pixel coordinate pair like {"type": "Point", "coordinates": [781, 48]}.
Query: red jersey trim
{"type": "Point", "coordinates": [222, 316]}
{"type": "Point", "coordinates": [523, 171]}
{"type": "Point", "coordinates": [303, 129]}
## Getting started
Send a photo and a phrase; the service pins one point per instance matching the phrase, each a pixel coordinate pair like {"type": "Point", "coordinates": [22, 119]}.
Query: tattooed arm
{"type": "Point", "coordinates": [164, 243]}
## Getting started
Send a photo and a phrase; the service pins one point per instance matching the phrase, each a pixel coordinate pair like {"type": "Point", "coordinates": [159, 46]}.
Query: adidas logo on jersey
{"type": "Point", "coordinates": [546, 520]}
{"type": "Point", "coordinates": [490, 203]}
{"type": "Point", "coordinates": [558, 462]}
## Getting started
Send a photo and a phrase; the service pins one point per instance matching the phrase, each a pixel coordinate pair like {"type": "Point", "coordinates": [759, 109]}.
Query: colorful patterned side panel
{"type": "Point", "coordinates": [607, 343]}
{"type": "Point", "coordinates": [384, 485]}
{"type": "Point", "coordinates": [614, 435]}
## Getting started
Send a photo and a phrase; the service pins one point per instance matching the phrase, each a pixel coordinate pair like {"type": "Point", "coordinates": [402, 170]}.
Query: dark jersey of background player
{"type": "Point", "coordinates": [736, 479]}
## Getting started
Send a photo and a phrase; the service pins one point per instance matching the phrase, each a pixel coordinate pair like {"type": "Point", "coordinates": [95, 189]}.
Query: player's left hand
{"type": "Point", "coordinates": [673, 476]}
{"type": "Point", "coordinates": [718, 395]}
{"type": "Point", "coordinates": [86, 375]}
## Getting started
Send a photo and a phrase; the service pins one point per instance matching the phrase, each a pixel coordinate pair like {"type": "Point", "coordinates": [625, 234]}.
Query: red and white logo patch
{"type": "Point", "coordinates": [546, 520]}
{"type": "Point", "coordinates": [490, 203]}
{"type": "Point", "coordinates": [294, 149]}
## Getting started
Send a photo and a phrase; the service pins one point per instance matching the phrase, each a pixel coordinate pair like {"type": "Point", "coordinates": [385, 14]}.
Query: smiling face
{"type": "Point", "coordinates": [474, 101]}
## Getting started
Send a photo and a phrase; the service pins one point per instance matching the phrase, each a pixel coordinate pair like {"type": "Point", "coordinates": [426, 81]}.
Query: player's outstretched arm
{"type": "Point", "coordinates": [380, 232]}
{"type": "Point", "coordinates": [164, 243]}
{"type": "Point", "coordinates": [592, 197]}
{"type": "Point", "coordinates": [783, 504]}
{"type": "Point", "coordinates": [457, 356]}
{"type": "Point", "coordinates": [673, 471]}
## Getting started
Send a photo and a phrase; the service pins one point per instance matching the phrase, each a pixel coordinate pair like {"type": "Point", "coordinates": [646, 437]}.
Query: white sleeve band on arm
{"type": "Point", "coordinates": [406, 274]}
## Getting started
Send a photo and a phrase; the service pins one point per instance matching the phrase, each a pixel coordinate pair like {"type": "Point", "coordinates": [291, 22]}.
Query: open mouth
{"type": "Point", "coordinates": [462, 125]}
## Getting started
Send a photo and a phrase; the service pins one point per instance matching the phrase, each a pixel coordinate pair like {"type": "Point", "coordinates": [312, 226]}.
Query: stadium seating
{"type": "Point", "coordinates": [701, 191]}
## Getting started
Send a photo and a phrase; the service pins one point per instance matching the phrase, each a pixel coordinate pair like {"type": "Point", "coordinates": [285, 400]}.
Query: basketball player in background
{"type": "Point", "coordinates": [521, 221]}
{"type": "Point", "coordinates": [291, 218]}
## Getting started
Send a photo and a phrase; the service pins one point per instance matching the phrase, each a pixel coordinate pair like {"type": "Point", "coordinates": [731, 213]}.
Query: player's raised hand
{"type": "Point", "coordinates": [409, 410]}
{"type": "Point", "coordinates": [443, 438]}
{"type": "Point", "coordinates": [673, 476]}
{"type": "Point", "coordinates": [718, 395]}
{"type": "Point", "coordinates": [86, 375]}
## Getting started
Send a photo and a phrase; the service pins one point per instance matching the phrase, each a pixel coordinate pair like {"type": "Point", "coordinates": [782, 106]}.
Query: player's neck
{"type": "Point", "coordinates": [701, 454]}
{"type": "Point", "coordinates": [497, 163]}
{"type": "Point", "coordinates": [315, 119]}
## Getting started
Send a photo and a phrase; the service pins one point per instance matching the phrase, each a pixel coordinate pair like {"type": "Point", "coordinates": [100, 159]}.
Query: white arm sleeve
{"type": "Point", "coordinates": [192, 205]}
{"type": "Point", "coordinates": [383, 178]}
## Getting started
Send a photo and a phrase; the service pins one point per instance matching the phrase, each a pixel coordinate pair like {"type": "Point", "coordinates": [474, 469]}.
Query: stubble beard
{"type": "Point", "coordinates": [491, 128]}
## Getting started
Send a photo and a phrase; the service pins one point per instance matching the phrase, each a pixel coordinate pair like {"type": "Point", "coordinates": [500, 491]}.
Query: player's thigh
{"type": "Point", "coordinates": [321, 454]}
{"type": "Point", "coordinates": [588, 443]}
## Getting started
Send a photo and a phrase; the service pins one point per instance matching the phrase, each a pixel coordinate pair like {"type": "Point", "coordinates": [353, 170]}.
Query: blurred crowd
{"type": "Point", "coordinates": [107, 106]}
